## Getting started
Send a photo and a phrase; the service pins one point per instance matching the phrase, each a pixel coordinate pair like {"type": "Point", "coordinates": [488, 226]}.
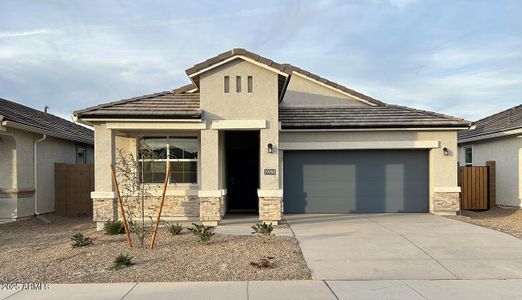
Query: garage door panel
{"type": "Point", "coordinates": [355, 181]}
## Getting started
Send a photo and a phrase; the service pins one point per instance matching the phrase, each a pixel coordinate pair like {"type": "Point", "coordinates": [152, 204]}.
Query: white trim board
{"type": "Point", "coordinates": [238, 124]}
{"type": "Point", "coordinates": [157, 126]}
{"type": "Point", "coordinates": [212, 193]}
{"type": "Point", "coordinates": [358, 145]}
{"type": "Point", "coordinates": [235, 57]}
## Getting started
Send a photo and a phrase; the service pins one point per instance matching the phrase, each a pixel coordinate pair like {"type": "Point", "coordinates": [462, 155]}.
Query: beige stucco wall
{"type": "Point", "coordinates": [17, 172]}
{"type": "Point", "coordinates": [301, 91]}
{"type": "Point", "coordinates": [262, 104]}
{"type": "Point", "coordinates": [507, 153]}
{"type": "Point", "coordinates": [443, 169]}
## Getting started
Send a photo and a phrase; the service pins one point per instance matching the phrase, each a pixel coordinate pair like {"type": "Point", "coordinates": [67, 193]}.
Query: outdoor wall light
{"type": "Point", "coordinates": [446, 151]}
{"type": "Point", "coordinates": [270, 148]}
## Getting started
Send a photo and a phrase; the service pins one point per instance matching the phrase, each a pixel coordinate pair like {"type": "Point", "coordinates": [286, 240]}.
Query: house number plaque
{"type": "Point", "coordinates": [270, 171]}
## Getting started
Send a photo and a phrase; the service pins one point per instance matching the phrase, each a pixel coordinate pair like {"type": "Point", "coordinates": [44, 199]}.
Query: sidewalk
{"type": "Point", "coordinates": [253, 290]}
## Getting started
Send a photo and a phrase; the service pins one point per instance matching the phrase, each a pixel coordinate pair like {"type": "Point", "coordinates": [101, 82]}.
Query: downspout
{"type": "Point", "coordinates": [35, 175]}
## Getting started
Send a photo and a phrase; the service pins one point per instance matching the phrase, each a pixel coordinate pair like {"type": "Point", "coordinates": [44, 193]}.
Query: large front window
{"type": "Point", "coordinates": [180, 152]}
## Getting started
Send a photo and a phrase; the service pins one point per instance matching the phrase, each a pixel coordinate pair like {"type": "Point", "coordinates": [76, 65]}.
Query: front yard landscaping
{"type": "Point", "coordinates": [32, 251]}
{"type": "Point", "coordinates": [507, 220]}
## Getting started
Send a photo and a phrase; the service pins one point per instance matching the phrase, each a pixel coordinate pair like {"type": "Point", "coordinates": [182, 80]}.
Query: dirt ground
{"type": "Point", "coordinates": [507, 220]}
{"type": "Point", "coordinates": [32, 251]}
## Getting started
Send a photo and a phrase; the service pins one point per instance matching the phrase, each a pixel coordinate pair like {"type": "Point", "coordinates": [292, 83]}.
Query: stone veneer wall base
{"type": "Point", "coordinates": [270, 209]}
{"type": "Point", "coordinates": [446, 203]}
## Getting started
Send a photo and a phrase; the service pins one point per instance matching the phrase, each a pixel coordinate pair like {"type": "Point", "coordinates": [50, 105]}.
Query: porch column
{"type": "Point", "coordinates": [105, 205]}
{"type": "Point", "coordinates": [270, 193]}
{"type": "Point", "coordinates": [211, 197]}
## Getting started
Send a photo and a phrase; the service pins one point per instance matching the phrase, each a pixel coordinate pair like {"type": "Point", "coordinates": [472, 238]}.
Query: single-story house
{"type": "Point", "coordinates": [497, 138]}
{"type": "Point", "coordinates": [252, 135]}
{"type": "Point", "coordinates": [31, 141]}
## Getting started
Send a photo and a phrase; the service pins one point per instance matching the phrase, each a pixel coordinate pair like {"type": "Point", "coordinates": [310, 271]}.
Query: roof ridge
{"type": "Point", "coordinates": [283, 67]}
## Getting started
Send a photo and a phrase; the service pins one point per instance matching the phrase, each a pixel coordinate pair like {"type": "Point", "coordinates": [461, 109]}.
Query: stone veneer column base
{"type": "Point", "coordinates": [211, 210]}
{"type": "Point", "coordinates": [270, 209]}
{"type": "Point", "coordinates": [104, 210]}
{"type": "Point", "coordinates": [446, 203]}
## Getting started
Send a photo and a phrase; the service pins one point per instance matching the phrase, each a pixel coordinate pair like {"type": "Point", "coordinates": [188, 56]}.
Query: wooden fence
{"type": "Point", "coordinates": [477, 185]}
{"type": "Point", "coordinates": [73, 185]}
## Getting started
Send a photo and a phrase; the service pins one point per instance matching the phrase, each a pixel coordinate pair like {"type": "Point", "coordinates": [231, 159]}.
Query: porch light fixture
{"type": "Point", "coordinates": [270, 148]}
{"type": "Point", "coordinates": [446, 151]}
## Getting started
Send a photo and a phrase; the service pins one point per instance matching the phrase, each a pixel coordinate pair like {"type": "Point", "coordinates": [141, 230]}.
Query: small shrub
{"type": "Point", "coordinates": [121, 261]}
{"type": "Point", "coordinates": [81, 240]}
{"type": "Point", "coordinates": [264, 262]}
{"type": "Point", "coordinates": [114, 227]}
{"type": "Point", "coordinates": [203, 232]}
{"type": "Point", "coordinates": [175, 229]}
{"type": "Point", "coordinates": [263, 229]}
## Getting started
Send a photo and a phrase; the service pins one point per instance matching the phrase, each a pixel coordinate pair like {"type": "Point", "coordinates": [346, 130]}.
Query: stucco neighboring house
{"type": "Point", "coordinates": [252, 135]}
{"type": "Point", "coordinates": [497, 138]}
{"type": "Point", "coordinates": [31, 141]}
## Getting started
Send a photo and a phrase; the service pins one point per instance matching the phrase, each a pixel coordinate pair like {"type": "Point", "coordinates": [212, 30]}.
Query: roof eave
{"type": "Point", "coordinates": [377, 127]}
{"type": "Point", "coordinates": [46, 132]}
{"type": "Point", "coordinates": [491, 136]}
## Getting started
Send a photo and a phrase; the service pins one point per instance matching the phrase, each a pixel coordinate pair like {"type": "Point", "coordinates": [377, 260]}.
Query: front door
{"type": "Point", "coordinates": [242, 170]}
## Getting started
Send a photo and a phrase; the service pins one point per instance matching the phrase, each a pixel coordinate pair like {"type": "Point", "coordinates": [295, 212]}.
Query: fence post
{"type": "Point", "coordinates": [492, 168]}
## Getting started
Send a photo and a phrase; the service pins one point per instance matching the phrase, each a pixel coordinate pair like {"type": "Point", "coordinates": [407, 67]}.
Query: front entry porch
{"type": "Point", "coordinates": [214, 171]}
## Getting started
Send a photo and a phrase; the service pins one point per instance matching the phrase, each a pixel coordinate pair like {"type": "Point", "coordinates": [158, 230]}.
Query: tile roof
{"type": "Point", "coordinates": [181, 103]}
{"type": "Point", "coordinates": [284, 68]}
{"type": "Point", "coordinates": [168, 104]}
{"type": "Point", "coordinates": [340, 117]}
{"type": "Point", "coordinates": [45, 123]}
{"type": "Point", "coordinates": [510, 119]}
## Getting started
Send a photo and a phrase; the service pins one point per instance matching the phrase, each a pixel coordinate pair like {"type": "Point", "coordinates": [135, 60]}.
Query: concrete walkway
{"type": "Point", "coordinates": [321, 290]}
{"type": "Point", "coordinates": [404, 247]}
{"type": "Point", "coordinates": [237, 224]}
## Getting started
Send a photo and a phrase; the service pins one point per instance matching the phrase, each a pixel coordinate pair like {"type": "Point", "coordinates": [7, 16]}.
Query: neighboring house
{"type": "Point", "coordinates": [497, 138]}
{"type": "Point", "coordinates": [31, 141]}
{"type": "Point", "coordinates": [252, 135]}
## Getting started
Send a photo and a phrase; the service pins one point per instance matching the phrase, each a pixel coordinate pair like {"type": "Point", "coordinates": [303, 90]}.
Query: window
{"type": "Point", "coordinates": [181, 153]}
{"type": "Point", "coordinates": [468, 156]}
{"type": "Point", "coordinates": [81, 155]}
{"type": "Point", "coordinates": [227, 84]}
{"type": "Point", "coordinates": [238, 84]}
{"type": "Point", "coordinates": [250, 84]}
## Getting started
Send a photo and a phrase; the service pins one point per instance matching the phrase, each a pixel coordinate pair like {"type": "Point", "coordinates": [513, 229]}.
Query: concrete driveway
{"type": "Point", "coordinates": [404, 246]}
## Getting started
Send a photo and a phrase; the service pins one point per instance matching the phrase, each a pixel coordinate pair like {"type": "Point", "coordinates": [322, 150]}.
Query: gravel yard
{"type": "Point", "coordinates": [507, 220]}
{"type": "Point", "coordinates": [32, 251]}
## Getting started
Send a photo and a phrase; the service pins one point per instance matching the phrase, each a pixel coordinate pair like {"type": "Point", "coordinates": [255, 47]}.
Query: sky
{"type": "Point", "coordinates": [462, 58]}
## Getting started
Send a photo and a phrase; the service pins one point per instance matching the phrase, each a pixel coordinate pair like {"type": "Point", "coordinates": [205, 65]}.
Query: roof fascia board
{"type": "Point", "coordinates": [334, 89]}
{"type": "Point", "coordinates": [235, 57]}
{"type": "Point", "coordinates": [47, 132]}
{"type": "Point", "coordinates": [491, 136]}
{"type": "Point", "coordinates": [378, 129]}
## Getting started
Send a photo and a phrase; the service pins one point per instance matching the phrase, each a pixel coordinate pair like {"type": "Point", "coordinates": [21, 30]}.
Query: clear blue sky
{"type": "Point", "coordinates": [462, 58]}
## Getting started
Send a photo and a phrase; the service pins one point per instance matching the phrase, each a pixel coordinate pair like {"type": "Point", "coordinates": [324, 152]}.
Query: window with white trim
{"type": "Point", "coordinates": [180, 152]}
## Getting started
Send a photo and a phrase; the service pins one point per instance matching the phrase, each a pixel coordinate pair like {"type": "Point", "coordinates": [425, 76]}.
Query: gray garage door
{"type": "Point", "coordinates": [369, 181]}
